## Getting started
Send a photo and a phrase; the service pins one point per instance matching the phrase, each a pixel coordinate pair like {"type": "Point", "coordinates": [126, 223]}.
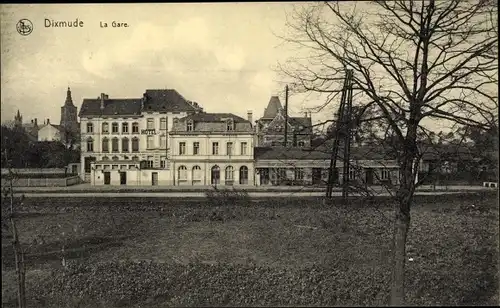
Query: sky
{"type": "Point", "coordinates": [220, 55]}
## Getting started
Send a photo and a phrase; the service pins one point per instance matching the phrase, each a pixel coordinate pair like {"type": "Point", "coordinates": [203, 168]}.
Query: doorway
{"type": "Point", "coordinates": [123, 178]}
{"type": "Point", "coordinates": [215, 175]}
{"type": "Point", "coordinates": [264, 176]}
{"type": "Point", "coordinates": [369, 176]}
{"type": "Point", "coordinates": [154, 178]}
{"type": "Point", "coordinates": [107, 178]}
{"type": "Point", "coordinates": [316, 176]}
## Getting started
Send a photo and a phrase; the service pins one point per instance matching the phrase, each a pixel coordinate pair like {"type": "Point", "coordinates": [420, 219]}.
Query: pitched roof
{"type": "Point", "coordinates": [167, 100]}
{"type": "Point", "coordinates": [116, 106]}
{"type": "Point", "coordinates": [272, 108]}
{"type": "Point", "coordinates": [212, 122]}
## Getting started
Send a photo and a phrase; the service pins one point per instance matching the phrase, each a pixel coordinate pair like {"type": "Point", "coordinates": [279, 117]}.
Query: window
{"type": "Point", "coordinates": [215, 175]}
{"type": "Point", "coordinates": [135, 128]}
{"type": "Point", "coordinates": [182, 148]}
{"type": "Point", "coordinates": [182, 173]}
{"type": "Point", "coordinates": [149, 162]}
{"type": "Point", "coordinates": [302, 144]}
{"type": "Point", "coordinates": [197, 174]}
{"type": "Point", "coordinates": [150, 142]}
{"type": "Point", "coordinates": [90, 128]}
{"type": "Point", "coordinates": [135, 145]}
{"type": "Point", "coordinates": [196, 148]}
{"type": "Point", "coordinates": [190, 126]}
{"type": "Point", "coordinates": [163, 123]}
{"type": "Point", "coordinates": [125, 128]}
{"type": "Point", "coordinates": [135, 158]}
{"type": "Point", "coordinates": [105, 128]}
{"type": "Point", "coordinates": [385, 174]}
{"type": "Point", "coordinates": [215, 148]}
{"type": "Point", "coordinates": [243, 148]}
{"type": "Point", "coordinates": [163, 142]}
{"type": "Point", "coordinates": [352, 174]}
{"type": "Point", "coordinates": [105, 145]}
{"type": "Point", "coordinates": [229, 175]}
{"type": "Point", "coordinates": [90, 145]}
{"type": "Point", "coordinates": [114, 145]}
{"type": "Point", "coordinates": [299, 174]}
{"type": "Point", "coordinates": [125, 145]}
{"type": "Point", "coordinates": [163, 162]}
{"type": "Point", "coordinates": [105, 158]}
{"type": "Point", "coordinates": [244, 175]}
{"type": "Point", "coordinates": [150, 123]}
{"type": "Point", "coordinates": [114, 158]}
{"type": "Point", "coordinates": [114, 128]}
{"type": "Point", "coordinates": [229, 148]}
{"type": "Point", "coordinates": [230, 125]}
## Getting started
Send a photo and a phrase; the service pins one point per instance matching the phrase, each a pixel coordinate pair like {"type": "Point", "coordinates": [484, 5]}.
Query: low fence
{"type": "Point", "coordinates": [32, 171]}
{"type": "Point", "coordinates": [43, 182]}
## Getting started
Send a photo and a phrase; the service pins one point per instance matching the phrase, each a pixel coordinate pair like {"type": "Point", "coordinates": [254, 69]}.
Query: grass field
{"type": "Point", "coordinates": [154, 253]}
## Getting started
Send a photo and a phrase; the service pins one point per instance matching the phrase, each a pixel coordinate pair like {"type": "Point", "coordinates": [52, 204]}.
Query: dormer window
{"type": "Point", "coordinates": [229, 125]}
{"type": "Point", "coordinates": [190, 126]}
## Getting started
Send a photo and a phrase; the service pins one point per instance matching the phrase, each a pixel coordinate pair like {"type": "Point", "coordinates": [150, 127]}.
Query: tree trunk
{"type": "Point", "coordinates": [401, 227]}
{"type": "Point", "coordinates": [404, 198]}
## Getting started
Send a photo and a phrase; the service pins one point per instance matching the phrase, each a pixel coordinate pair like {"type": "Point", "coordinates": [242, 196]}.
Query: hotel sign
{"type": "Point", "coordinates": [148, 132]}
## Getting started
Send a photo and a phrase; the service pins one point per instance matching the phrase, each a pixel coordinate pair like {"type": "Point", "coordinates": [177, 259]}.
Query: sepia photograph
{"type": "Point", "coordinates": [250, 154]}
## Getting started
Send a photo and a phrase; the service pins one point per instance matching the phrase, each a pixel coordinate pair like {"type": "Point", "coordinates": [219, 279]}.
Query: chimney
{"type": "Point", "coordinates": [36, 121]}
{"type": "Point", "coordinates": [103, 97]}
{"type": "Point", "coordinates": [48, 121]}
{"type": "Point", "coordinates": [31, 121]}
{"type": "Point", "coordinates": [250, 116]}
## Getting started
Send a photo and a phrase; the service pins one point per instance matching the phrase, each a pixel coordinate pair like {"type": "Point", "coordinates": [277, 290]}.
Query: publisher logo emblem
{"type": "Point", "coordinates": [24, 27]}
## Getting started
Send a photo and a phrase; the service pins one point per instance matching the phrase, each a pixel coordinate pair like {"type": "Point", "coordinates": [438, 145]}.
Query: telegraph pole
{"type": "Point", "coordinates": [286, 115]}
{"type": "Point", "coordinates": [343, 126]}
{"type": "Point", "coordinates": [347, 137]}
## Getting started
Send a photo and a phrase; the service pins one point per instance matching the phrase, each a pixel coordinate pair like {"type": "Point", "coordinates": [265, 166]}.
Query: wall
{"type": "Point", "coordinates": [34, 170]}
{"type": "Point", "coordinates": [47, 182]}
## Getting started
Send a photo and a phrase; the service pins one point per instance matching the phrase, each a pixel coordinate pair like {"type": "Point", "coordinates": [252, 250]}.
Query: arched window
{"type": "Point", "coordinates": [135, 144]}
{"type": "Point", "coordinates": [243, 175]}
{"type": "Point", "coordinates": [105, 144]}
{"type": "Point", "coordinates": [135, 158]}
{"type": "Point", "coordinates": [90, 128]}
{"type": "Point", "coordinates": [197, 174]}
{"type": "Point", "coordinates": [125, 143]}
{"type": "Point", "coordinates": [105, 158]}
{"type": "Point", "coordinates": [114, 128]}
{"type": "Point", "coordinates": [115, 158]}
{"type": "Point", "coordinates": [229, 174]}
{"type": "Point", "coordinates": [114, 144]}
{"type": "Point", "coordinates": [105, 128]}
{"type": "Point", "coordinates": [182, 173]}
{"type": "Point", "coordinates": [135, 128]}
{"type": "Point", "coordinates": [125, 128]}
{"type": "Point", "coordinates": [90, 144]}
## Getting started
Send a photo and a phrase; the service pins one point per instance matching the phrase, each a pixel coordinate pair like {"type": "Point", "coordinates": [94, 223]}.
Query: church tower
{"type": "Point", "coordinates": [69, 120]}
{"type": "Point", "coordinates": [18, 119]}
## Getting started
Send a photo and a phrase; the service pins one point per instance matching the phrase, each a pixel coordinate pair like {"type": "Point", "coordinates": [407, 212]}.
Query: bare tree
{"type": "Point", "coordinates": [19, 253]}
{"type": "Point", "coordinates": [414, 63]}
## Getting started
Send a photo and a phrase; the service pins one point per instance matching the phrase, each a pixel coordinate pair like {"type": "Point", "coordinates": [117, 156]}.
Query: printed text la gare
{"type": "Point", "coordinates": [114, 24]}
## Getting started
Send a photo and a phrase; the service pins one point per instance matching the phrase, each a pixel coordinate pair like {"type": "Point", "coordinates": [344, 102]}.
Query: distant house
{"type": "Point", "coordinates": [49, 132]}
{"type": "Point", "coordinates": [270, 129]}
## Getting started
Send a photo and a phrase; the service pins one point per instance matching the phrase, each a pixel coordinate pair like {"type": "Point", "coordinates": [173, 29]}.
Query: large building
{"type": "Point", "coordinates": [31, 128]}
{"type": "Point", "coordinates": [124, 131]}
{"type": "Point", "coordinates": [270, 129]}
{"type": "Point", "coordinates": [213, 149]}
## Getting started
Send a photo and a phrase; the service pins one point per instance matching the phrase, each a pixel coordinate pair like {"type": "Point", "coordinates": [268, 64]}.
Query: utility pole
{"type": "Point", "coordinates": [286, 116]}
{"type": "Point", "coordinates": [343, 124]}
{"type": "Point", "coordinates": [347, 137]}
